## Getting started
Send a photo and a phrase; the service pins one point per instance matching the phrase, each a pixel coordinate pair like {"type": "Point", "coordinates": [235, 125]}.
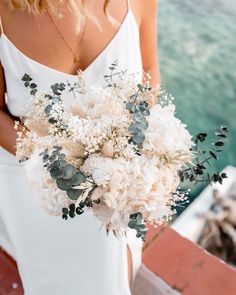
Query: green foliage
{"type": "Point", "coordinates": [28, 84]}
{"type": "Point", "coordinates": [74, 194]}
{"type": "Point", "coordinates": [58, 88]}
{"type": "Point", "coordinates": [67, 177]}
{"type": "Point", "coordinates": [139, 126]}
{"type": "Point", "coordinates": [136, 222]}
{"type": "Point", "coordinates": [196, 173]}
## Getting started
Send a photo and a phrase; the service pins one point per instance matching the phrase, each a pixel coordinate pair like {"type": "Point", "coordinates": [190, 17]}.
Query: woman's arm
{"type": "Point", "coordinates": [148, 41]}
{"type": "Point", "coordinates": [7, 131]}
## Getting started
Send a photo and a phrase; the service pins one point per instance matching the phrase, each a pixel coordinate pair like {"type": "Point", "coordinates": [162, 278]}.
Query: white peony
{"type": "Point", "coordinates": [167, 136]}
{"type": "Point", "coordinates": [142, 187]}
{"type": "Point", "coordinates": [104, 171]}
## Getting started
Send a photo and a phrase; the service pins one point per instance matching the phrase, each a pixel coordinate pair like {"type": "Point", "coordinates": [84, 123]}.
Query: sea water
{"type": "Point", "coordinates": [197, 56]}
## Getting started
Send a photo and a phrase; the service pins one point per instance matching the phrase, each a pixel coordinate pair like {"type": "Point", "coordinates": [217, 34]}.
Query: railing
{"type": "Point", "coordinates": [185, 267]}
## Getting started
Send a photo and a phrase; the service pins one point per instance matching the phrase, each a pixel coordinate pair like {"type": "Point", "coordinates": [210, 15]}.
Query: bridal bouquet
{"type": "Point", "coordinates": [110, 151]}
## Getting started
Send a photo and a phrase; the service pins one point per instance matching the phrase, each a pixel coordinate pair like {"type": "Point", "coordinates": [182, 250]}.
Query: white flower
{"type": "Point", "coordinates": [50, 197]}
{"type": "Point", "coordinates": [167, 136]}
{"type": "Point", "coordinates": [103, 170]}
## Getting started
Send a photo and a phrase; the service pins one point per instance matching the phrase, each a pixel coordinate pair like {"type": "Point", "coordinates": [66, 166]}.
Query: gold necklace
{"type": "Point", "coordinates": [75, 56]}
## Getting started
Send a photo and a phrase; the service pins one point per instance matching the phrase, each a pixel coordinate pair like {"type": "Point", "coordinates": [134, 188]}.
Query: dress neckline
{"type": "Point", "coordinates": [96, 59]}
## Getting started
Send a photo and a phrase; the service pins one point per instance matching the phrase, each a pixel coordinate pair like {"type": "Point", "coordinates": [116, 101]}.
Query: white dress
{"type": "Point", "coordinates": [57, 257]}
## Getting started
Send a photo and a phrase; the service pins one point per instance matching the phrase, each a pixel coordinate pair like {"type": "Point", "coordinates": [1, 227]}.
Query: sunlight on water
{"type": "Point", "coordinates": [197, 53]}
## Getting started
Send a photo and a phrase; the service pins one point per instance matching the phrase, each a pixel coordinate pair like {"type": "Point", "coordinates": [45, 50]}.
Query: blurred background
{"type": "Point", "coordinates": [197, 55]}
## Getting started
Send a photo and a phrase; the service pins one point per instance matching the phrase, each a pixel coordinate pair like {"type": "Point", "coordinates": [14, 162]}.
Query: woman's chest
{"type": "Point", "coordinates": [55, 42]}
{"type": "Point", "coordinates": [16, 64]}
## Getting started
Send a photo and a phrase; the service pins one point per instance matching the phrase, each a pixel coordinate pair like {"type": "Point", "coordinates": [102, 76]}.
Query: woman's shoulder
{"type": "Point", "coordinates": [143, 8]}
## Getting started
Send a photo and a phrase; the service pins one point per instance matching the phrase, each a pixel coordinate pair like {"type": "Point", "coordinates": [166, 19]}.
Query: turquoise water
{"type": "Point", "coordinates": [197, 55]}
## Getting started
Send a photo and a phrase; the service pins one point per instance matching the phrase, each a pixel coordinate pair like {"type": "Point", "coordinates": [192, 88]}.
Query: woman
{"type": "Point", "coordinates": [51, 40]}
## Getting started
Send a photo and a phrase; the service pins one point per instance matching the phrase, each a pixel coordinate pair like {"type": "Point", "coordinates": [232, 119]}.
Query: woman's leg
{"type": "Point", "coordinates": [130, 266]}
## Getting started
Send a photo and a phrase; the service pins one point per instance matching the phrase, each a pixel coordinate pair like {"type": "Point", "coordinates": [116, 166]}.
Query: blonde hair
{"type": "Point", "coordinates": [79, 7]}
{"type": "Point", "coordinates": [36, 6]}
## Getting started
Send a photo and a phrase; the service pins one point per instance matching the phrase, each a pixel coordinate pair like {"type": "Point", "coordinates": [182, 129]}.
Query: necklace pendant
{"type": "Point", "coordinates": [76, 59]}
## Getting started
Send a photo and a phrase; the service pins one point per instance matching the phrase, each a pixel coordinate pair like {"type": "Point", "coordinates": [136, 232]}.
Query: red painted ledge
{"type": "Point", "coordinates": [10, 283]}
{"type": "Point", "coordinates": [185, 266]}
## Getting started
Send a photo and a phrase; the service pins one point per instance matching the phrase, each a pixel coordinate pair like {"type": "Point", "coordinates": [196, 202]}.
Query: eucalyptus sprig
{"type": "Point", "coordinates": [139, 110]}
{"type": "Point", "coordinates": [136, 222]}
{"type": "Point", "coordinates": [137, 129]}
{"type": "Point", "coordinates": [55, 108]}
{"type": "Point", "coordinates": [196, 172]}
{"type": "Point", "coordinates": [29, 84]}
{"type": "Point", "coordinates": [114, 73]}
{"type": "Point", "coordinates": [68, 178]}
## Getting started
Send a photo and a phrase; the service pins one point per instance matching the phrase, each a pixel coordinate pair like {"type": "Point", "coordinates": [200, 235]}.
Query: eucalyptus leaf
{"type": "Point", "coordinates": [26, 77]}
{"type": "Point", "coordinates": [33, 85]}
{"type": "Point", "coordinates": [132, 224]}
{"type": "Point", "coordinates": [59, 163]}
{"type": "Point", "coordinates": [74, 194]}
{"type": "Point", "coordinates": [33, 91]}
{"type": "Point", "coordinates": [65, 184]}
{"type": "Point", "coordinates": [69, 171]}
{"type": "Point", "coordinates": [143, 105]}
{"type": "Point", "coordinates": [45, 157]}
{"type": "Point", "coordinates": [48, 109]}
{"type": "Point", "coordinates": [130, 106]}
{"type": "Point", "coordinates": [146, 113]}
{"type": "Point", "coordinates": [58, 88]}
{"type": "Point", "coordinates": [134, 128]}
{"type": "Point", "coordinates": [78, 178]}
{"type": "Point", "coordinates": [58, 148]}
{"type": "Point", "coordinates": [140, 87]}
{"type": "Point", "coordinates": [52, 120]}
{"type": "Point", "coordinates": [138, 117]}
{"type": "Point", "coordinates": [142, 227]}
{"type": "Point", "coordinates": [138, 138]}
{"type": "Point", "coordinates": [52, 158]}
{"type": "Point", "coordinates": [61, 156]}
{"type": "Point", "coordinates": [56, 172]}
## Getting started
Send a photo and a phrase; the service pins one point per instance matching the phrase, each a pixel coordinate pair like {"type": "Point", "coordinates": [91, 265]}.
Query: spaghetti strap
{"type": "Point", "coordinates": [129, 4]}
{"type": "Point", "coordinates": [1, 27]}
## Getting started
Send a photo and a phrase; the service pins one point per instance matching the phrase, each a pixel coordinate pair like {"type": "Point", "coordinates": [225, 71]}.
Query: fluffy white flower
{"type": "Point", "coordinates": [143, 188]}
{"type": "Point", "coordinates": [133, 186]}
{"type": "Point", "coordinates": [97, 102]}
{"type": "Point", "coordinates": [49, 196]}
{"type": "Point", "coordinates": [103, 170]}
{"type": "Point", "coordinates": [167, 136]}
